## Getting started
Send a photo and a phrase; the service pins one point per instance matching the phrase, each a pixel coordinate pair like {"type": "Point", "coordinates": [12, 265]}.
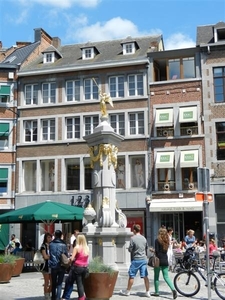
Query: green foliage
{"type": "Point", "coordinates": [96, 265]}
{"type": "Point", "coordinates": [7, 259]}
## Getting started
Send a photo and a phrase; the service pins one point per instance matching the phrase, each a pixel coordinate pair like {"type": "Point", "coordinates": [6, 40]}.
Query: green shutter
{"type": "Point", "coordinates": [5, 90]}
{"type": "Point", "coordinates": [3, 174]}
{"type": "Point", "coordinates": [4, 129]}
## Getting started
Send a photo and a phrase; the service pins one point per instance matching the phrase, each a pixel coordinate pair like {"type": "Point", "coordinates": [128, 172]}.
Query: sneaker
{"type": "Point", "coordinates": [155, 294]}
{"type": "Point", "coordinates": [147, 294]}
{"type": "Point", "coordinates": [125, 292]}
{"type": "Point", "coordinates": [174, 294]}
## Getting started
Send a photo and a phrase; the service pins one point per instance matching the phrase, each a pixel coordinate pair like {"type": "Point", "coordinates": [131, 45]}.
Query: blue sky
{"type": "Point", "coordinates": [75, 21]}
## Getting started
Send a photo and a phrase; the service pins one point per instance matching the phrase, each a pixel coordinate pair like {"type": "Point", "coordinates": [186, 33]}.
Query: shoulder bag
{"type": "Point", "coordinates": [153, 261]}
{"type": "Point", "coordinates": [65, 262]}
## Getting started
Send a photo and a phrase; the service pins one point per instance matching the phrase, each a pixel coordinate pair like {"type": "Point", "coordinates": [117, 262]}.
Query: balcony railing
{"type": "Point", "coordinates": [167, 186]}
{"type": "Point", "coordinates": [165, 132]}
{"type": "Point", "coordinates": [189, 130]}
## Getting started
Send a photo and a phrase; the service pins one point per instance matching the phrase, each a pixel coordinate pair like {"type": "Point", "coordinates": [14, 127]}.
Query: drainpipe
{"type": "Point", "coordinates": [149, 186]}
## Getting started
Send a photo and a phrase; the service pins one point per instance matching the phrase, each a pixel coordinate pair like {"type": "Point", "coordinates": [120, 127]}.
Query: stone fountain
{"type": "Point", "coordinates": [106, 230]}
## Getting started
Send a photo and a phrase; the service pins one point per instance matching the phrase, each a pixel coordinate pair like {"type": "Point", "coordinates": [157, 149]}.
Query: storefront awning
{"type": "Point", "coordinates": [175, 206]}
{"type": "Point", "coordinates": [188, 114]}
{"type": "Point", "coordinates": [164, 117]}
{"type": "Point", "coordinates": [189, 158]}
{"type": "Point", "coordinates": [164, 160]}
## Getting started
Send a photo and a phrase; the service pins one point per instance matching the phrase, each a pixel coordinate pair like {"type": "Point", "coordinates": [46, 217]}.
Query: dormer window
{"type": "Point", "coordinates": [128, 48]}
{"type": "Point", "coordinates": [219, 34]}
{"type": "Point", "coordinates": [87, 53]}
{"type": "Point", "coordinates": [49, 57]}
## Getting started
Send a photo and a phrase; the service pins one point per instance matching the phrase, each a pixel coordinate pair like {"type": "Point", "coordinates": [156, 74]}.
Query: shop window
{"type": "Point", "coordinates": [220, 134]}
{"type": "Point", "coordinates": [47, 175]}
{"type": "Point", "coordinates": [137, 172]}
{"type": "Point", "coordinates": [30, 170]}
{"type": "Point", "coordinates": [72, 174]}
{"type": "Point", "coordinates": [120, 173]}
{"type": "Point", "coordinates": [87, 174]}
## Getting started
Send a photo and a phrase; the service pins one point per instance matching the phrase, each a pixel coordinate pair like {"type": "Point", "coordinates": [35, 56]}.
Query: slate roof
{"type": "Point", "coordinates": [19, 55]}
{"type": "Point", "coordinates": [205, 34]}
{"type": "Point", "coordinates": [108, 51]}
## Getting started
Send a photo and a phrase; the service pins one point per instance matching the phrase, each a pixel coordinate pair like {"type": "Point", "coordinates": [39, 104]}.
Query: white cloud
{"type": "Point", "coordinates": [178, 41]}
{"type": "Point", "coordinates": [63, 3]}
{"type": "Point", "coordinates": [115, 28]}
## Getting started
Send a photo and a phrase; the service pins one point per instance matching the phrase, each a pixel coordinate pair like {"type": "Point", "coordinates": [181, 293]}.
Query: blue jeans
{"type": "Point", "coordinates": [57, 279]}
{"type": "Point", "coordinates": [76, 274]}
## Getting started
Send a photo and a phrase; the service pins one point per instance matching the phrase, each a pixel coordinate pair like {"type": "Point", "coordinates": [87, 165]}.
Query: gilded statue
{"type": "Point", "coordinates": [104, 99]}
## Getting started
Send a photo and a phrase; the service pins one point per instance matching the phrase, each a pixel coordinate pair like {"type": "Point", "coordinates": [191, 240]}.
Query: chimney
{"type": "Point", "coordinates": [37, 34]}
{"type": "Point", "coordinates": [56, 42]}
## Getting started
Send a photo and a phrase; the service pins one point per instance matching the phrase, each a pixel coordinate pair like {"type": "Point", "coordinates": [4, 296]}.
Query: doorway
{"type": "Point", "coordinates": [181, 222]}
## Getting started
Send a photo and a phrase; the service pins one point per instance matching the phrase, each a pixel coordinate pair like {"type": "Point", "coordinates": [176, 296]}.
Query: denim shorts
{"type": "Point", "coordinates": [138, 265]}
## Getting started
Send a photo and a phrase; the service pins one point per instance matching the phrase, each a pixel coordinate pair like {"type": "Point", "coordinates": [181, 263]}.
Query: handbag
{"type": "Point", "coordinates": [38, 258]}
{"type": "Point", "coordinates": [153, 261]}
{"type": "Point", "coordinates": [65, 262]}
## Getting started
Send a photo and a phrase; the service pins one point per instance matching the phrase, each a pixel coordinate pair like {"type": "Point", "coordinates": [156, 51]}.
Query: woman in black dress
{"type": "Point", "coordinates": [45, 271]}
{"type": "Point", "coordinates": [161, 246]}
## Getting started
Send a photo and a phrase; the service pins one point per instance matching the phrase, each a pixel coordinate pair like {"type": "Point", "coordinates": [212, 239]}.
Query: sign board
{"type": "Point", "coordinates": [203, 180]}
{"type": "Point", "coordinates": [201, 197]}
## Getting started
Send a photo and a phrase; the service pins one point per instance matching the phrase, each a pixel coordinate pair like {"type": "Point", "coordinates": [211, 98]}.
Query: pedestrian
{"type": "Point", "coordinates": [170, 249]}
{"type": "Point", "coordinates": [12, 244]}
{"type": "Point", "coordinates": [78, 269]}
{"type": "Point", "coordinates": [190, 240]}
{"type": "Point", "coordinates": [17, 249]}
{"type": "Point", "coordinates": [138, 248]}
{"type": "Point", "coordinates": [161, 247]}
{"type": "Point", "coordinates": [56, 248]}
{"type": "Point", "coordinates": [73, 239]}
{"type": "Point", "coordinates": [46, 270]}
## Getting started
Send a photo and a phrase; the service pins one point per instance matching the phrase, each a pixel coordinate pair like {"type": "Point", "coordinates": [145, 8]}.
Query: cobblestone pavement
{"type": "Point", "coordinates": [29, 286]}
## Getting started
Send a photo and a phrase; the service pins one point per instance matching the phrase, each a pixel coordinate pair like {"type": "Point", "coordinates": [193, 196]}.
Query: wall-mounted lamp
{"type": "Point", "coordinates": [167, 92]}
{"type": "Point", "coordinates": [148, 200]}
{"type": "Point", "coordinates": [183, 91]}
{"type": "Point", "coordinates": [198, 89]}
{"type": "Point", "coordinates": [152, 93]}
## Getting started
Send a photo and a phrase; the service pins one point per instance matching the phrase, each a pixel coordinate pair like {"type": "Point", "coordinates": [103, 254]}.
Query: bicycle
{"type": "Point", "coordinates": [188, 284]}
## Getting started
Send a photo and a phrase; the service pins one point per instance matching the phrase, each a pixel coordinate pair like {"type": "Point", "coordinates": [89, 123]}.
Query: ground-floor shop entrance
{"type": "Point", "coordinates": [181, 222]}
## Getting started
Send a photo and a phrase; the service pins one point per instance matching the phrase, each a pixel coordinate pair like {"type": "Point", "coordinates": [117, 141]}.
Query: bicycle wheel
{"type": "Point", "coordinates": [187, 283]}
{"type": "Point", "coordinates": [219, 285]}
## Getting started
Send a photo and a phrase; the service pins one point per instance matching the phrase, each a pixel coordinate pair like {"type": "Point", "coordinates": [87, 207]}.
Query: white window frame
{"type": "Point", "coordinates": [49, 57]}
{"type": "Point", "coordinates": [93, 89]}
{"type": "Point", "coordinates": [136, 129]}
{"type": "Point", "coordinates": [75, 95]}
{"type": "Point", "coordinates": [75, 131]}
{"type": "Point", "coordinates": [94, 121]}
{"type": "Point", "coordinates": [88, 53]}
{"type": "Point", "coordinates": [136, 88]}
{"type": "Point", "coordinates": [118, 125]}
{"type": "Point", "coordinates": [33, 126]}
{"type": "Point", "coordinates": [117, 92]}
{"type": "Point", "coordinates": [33, 94]}
{"type": "Point", "coordinates": [51, 87]}
{"type": "Point", "coordinates": [128, 48]}
{"type": "Point", "coordinates": [48, 125]}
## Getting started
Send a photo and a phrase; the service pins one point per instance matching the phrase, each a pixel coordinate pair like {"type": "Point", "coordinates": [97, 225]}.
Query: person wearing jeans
{"type": "Point", "coordinates": [161, 247]}
{"type": "Point", "coordinates": [78, 270]}
{"type": "Point", "coordinates": [56, 248]}
{"type": "Point", "coordinates": [138, 248]}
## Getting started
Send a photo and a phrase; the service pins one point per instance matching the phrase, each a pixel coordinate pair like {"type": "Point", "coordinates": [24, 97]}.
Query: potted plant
{"type": "Point", "coordinates": [101, 280]}
{"type": "Point", "coordinates": [18, 268]}
{"type": "Point", "coordinates": [7, 263]}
